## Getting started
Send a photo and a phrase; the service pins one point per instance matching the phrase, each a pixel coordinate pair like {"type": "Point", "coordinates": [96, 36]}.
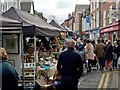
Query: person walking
{"type": "Point", "coordinates": [108, 55]}
{"type": "Point", "coordinates": [70, 67]}
{"type": "Point", "coordinates": [99, 50]}
{"type": "Point", "coordinates": [7, 72]}
{"type": "Point", "coordinates": [89, 49]}
{"type": "Point", "coordinates": [115, 54]}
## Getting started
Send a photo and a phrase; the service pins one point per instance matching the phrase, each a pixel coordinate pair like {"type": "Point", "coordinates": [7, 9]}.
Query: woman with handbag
{"type": "Point", "coordinates": [118, 52]}
{"type": "Point", "coordinates": [108, 55]}
{"type": "Point", "coordinates": [115, 55]}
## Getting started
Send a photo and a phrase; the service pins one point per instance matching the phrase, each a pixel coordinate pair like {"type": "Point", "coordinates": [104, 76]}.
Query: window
{"type": "Point", "coordinates": [104, 18]}
{"type": "Point", "coordinates": [104, 1]}
{"type": "Point", "coordinates": [91, 7]}
{"type": "Point", "coordinates": [94, 21]}
{"type": "Point", "coordinates": [97, 3]}
{"type": "Point", "coordinates": [110, 14]}
{"type": "Point", "coordinates": [97, 19]}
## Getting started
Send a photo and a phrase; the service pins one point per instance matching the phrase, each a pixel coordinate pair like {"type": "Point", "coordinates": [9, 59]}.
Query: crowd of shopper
{"type": "Point", "coordinates": [106, 52]}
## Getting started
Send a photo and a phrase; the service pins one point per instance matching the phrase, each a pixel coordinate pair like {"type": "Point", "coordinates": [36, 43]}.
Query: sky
{"type": "Point", "coordinates": [58, 8]}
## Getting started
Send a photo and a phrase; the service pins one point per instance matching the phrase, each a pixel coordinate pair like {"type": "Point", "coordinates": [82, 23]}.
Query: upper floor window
{"type": "Point", "coordinates": [104, 1]}
{"type": "Point", "coordinates": [110, 14]}
{"type": "Point", "coordinates": [104, 18]}
{"type": "Point", "coordinates": [91, 7]}
{"type": "Point", "coordinates": [97, 3]}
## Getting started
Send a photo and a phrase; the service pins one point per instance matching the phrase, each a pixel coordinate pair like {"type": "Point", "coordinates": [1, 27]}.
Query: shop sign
{"type": "Point", "coordinates": [110, 29]}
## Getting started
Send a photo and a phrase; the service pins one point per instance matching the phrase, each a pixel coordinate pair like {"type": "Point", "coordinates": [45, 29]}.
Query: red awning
{"type": "Point", "coordinates": [85, 32]}
{"type": "Point", "coordinates": [110, 28]}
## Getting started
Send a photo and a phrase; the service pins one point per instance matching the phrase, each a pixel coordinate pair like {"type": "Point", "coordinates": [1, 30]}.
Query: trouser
{"type": "Point", "coordinates": [101, 63]}
{"type": "Point", "coordinates": [109, 63]}
{"type": "Point", "coordinates": [115, 63]}
{"type": "Point", "coordinates": [69, 83]}
{"type": "Point", "coordinates": [89, 64]}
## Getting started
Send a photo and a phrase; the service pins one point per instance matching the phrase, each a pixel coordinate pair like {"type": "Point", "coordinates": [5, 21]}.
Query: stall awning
{"type": "Point", "coordinates": [9, 25]}
{"type": "Point", "coordinates": [31, 22]}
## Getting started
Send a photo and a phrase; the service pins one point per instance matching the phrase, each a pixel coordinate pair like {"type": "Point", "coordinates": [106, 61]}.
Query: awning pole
{"type": "Point", "coordinates": [35, 58]}
{"type": "Point", "coordinates": [22, 55]}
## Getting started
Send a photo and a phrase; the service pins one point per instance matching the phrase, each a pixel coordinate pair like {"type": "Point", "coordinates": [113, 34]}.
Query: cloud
{"type": "Point", "coordinates": [63, 4]}
{"type": "Point", "coordinates": [58, 8]}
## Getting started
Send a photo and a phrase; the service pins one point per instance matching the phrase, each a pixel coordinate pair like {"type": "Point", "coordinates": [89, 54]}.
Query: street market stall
{"type": "Point", "coordinates": [33, 27]}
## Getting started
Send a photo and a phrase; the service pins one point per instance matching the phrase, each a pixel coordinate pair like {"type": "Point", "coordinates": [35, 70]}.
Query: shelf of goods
{"type": "Point", "coordinates": [29, 73]}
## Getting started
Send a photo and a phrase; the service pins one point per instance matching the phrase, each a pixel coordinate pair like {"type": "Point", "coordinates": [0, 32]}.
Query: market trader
{"type": "Point", "coordinates": [70, 67]}
{"type": "Point", "coordinates": [8, 74]}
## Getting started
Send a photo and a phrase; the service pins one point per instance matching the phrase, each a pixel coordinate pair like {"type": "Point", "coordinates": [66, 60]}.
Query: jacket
{"type": "Point", "coordinates": [9, 76]}
{"type": "Point", "coordinates": [89, 49]}
{"type": "Point", "coordinates": [70, 64]}
{"type": "Point", "coordinates": [99, 50]}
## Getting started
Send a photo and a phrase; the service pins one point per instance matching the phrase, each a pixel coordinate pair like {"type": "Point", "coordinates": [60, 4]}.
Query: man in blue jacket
{"type": "Point", "coordinates": [70, 67]}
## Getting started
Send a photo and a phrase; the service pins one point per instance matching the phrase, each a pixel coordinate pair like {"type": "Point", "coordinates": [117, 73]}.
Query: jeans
{"type": "Point", "coordinates": [101, 63]}
{"type": "Point", "coordinates": [89, 65]}
{"type": "Point", "coordinates": [115, 63]}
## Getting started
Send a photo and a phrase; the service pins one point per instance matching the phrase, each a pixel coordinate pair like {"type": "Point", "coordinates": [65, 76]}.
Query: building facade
{"type": "Point", "coordinates": [79, 17]}
{"type": "Point", "coordinates": [86, 23]}
{"type": "Point", "coordinates": [105, 17]}
{"type": "Point", "coordinates": [24, 5]}
{"type": "Point", "coordinates": [94, 18]}
{"type": "Point", "coordinates": [109, 23]}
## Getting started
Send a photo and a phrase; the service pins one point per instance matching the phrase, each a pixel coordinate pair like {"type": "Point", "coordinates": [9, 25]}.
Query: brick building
{"type": "Point", "coordinates": [94, 15]}
{"type": "Point", "coordinates": [109, 25]}
{"type": "Point", "coordinates": [104, 20]}
{"type": "Point", "coordinates": [78, 17]}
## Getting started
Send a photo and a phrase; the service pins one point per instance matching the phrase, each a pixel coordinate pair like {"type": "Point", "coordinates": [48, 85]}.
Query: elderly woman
{"type": "Point", "coordinates": [7, 72]}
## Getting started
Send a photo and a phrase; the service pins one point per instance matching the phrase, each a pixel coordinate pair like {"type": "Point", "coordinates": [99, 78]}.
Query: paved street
{"type": "Point", "coordinates": [106, 80]}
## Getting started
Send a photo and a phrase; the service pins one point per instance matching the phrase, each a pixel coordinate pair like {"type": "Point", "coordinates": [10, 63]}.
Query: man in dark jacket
{"type": "Point", "coordinates": [7, 73]}
{"type": "Point", "coordinates": [70, 67]}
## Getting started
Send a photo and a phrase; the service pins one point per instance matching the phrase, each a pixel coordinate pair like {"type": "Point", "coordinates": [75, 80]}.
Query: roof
{"type": "Point", "coordinates": [67, 29]}
{"type": "Point", "coordinates": [79, 8]}
{"type": "Point", "coordinates": [69, 18]}
{"type": "Point", "coordinates": [32, 24]}
{"type": "Point", "coordinates": [54, 23]}
{"type": "Point", "coordinates": [10, 25]}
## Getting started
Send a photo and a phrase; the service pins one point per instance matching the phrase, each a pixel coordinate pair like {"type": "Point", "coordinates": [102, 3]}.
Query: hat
{"type": "Point", "coordinates": [3, 53]}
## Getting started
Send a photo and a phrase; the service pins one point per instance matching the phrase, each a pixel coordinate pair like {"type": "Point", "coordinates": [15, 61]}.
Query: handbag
{"type": "Point", "coordinates": [119, 60]}
{"type": "Point", "coordinates": [114, 56]}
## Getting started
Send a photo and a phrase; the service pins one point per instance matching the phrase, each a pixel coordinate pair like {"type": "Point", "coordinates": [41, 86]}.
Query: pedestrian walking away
{"type": "Point", "coordinates": [99, 50]}
{"type": "Point", "coordinates": [89, 49]}
{"type": "Point", "coordinates": [70, 68]}
{"type": "Point", "coordinates": [108, 55]}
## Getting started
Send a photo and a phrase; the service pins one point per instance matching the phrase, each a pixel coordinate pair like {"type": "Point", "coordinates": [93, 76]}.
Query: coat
{"type": "Point", "coordinates": [99, 50]}
{"type": "Point", "coordinates": [70, 64]}
{"type": "Point", "coordinates": [108, 52]}
{"type": "Point", "coordinates": [89, 49]}
{"type": "Point", "coordinates": [9, 76]}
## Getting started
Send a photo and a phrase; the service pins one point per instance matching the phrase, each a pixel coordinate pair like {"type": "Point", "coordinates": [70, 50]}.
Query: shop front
{"type": "Point", "coordinates": [94, 34]}
{"type": "Point", "coordinates": [85, 34]}
{"type": "Point", "coordinates": [111, 32]}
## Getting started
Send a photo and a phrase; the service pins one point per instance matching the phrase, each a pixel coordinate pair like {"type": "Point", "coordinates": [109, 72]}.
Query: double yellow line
{"type": "Point", "coordinates": [104, 81]}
